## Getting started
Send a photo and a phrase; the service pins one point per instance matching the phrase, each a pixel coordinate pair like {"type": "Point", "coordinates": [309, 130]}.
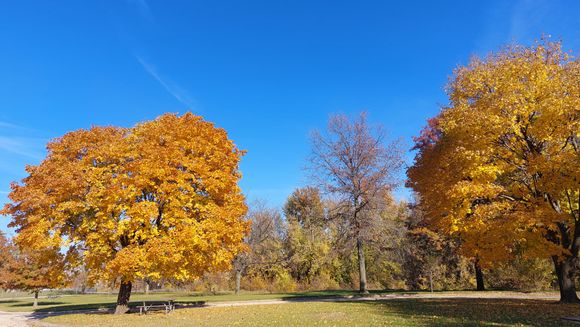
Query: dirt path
{"type": "Point", "coordinates": [14, 319]}
{"type": "Point", "coordinates": [23, 319]}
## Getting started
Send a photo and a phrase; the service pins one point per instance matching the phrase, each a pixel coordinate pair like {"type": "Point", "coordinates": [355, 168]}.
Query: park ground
{"type": "Point", "coordinates": [305, 309]}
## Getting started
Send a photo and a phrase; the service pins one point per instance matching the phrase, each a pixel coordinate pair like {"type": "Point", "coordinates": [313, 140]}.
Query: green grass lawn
{"type": "Point", "coordinates": [96, 301]}
{"type": "Point", "coordinates": [402, 312]}
{"type": "Point", "coordinates": [4, 294]}
{"type": "Point", "coordinates": [103, 300]}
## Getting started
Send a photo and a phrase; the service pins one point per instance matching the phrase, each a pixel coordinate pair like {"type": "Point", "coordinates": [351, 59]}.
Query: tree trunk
{"type": "Point", "coordinates": [146, 286]}
{"type": "Point", "coordinates": [238, 280]}
{"type": "Point", "coordinates": [35, 303]}
{"type": "Point", "coordinates": [565, 272]}
{"type": "Point", "coordinates": [431, 279]}
{"type": "Point", "coordinates": [361, 267]}
{"type": "Point", "coordinates": [479, 277]}
{"type": "Point", "coordinates": [123, 297]}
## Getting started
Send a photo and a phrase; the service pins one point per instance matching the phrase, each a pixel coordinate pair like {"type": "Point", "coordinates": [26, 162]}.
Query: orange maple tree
{"type": "Point", "coordinates": [499, 167]}
{"type": "Point", "coordinates": [30, 270]}
{"type": "Point", "coordinates": [159, 200]}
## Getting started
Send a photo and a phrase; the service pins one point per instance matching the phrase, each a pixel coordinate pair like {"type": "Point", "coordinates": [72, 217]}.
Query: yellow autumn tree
{"type": "Point", "coordinates": [500, 166]}
{"type": "Point", "coordinates": [159, 200]}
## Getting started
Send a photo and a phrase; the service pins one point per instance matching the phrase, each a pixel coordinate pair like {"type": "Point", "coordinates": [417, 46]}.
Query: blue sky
{"type": "Point", "coordinates": [269, 72]}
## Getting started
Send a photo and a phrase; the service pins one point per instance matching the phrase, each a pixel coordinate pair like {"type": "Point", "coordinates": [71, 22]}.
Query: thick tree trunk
{"type": "Point", "coordinates": [35, 303]}
{"type": "Point", "coordinates": [566, 283]}
{"type": "Point", "coordinates": [123, 297]}
{"type": "Point", "coordinates": [146, 281]}
{"type": "Point", "coordinates": [479, 277]}
{"type": "Point", "coordinates": [238, 280]}
{"type": "Point", "coordinates": [361, 267]}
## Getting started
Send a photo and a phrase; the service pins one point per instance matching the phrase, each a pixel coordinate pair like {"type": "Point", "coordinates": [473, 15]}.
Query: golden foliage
{"type": "Point", "coordinates": [501, 169]}
{"type": "Point", "coordinates": [157, 200]}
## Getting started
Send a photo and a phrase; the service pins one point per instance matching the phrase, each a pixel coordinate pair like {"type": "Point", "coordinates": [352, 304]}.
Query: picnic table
{"type": "Point", "coordinates": [167, 305]}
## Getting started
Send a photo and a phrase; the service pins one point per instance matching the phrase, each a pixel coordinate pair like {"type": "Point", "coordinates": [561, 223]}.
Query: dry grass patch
{"type": "Point", "coordinates": [400, 312]}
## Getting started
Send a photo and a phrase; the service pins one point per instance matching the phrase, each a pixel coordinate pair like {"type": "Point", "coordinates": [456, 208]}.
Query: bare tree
{"type": "Point", "coordinates": [352, 162]}
{"type": "Point", "coordinates": [264, 241]}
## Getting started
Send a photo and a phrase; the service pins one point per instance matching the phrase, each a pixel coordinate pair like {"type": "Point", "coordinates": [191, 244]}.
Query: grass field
{"type": "Point", "coordinates": [96, 301]}
{"type": "Point", "coordinates": [400, 312]}
{"type": "Point", "coordinates": [452, 309]}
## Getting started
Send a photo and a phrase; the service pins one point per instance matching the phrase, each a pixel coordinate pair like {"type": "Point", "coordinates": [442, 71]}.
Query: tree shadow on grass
{"type": "Point", "coordinates": [281, 295]}
{"type": "Point", "coordinates": [40, 303]}
{"type": "Point", "coordinates": [104, 307]}
{"type": "Point", "coordinates": [478, 312]}
{"type": "Point", "coordinates": [341, 295]}
{"type": "Point", "coordinates": [70, 308]}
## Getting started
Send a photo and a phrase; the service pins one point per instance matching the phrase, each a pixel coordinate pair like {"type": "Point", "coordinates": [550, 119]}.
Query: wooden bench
{"type": "Point", "coordinates": [166, 305]}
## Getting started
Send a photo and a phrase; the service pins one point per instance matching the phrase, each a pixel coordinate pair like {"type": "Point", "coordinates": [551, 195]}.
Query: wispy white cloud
{"type": "Point", "coordinates": [143, 8]}
{"type": "Point", "coordinates": [170, 86]}
{"type": "Point", "coordinates": [23, 146]}
{"type": "Point", "coordinates": [10, 126]}
{"type": "Point", "coordinates": [524, 21]}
